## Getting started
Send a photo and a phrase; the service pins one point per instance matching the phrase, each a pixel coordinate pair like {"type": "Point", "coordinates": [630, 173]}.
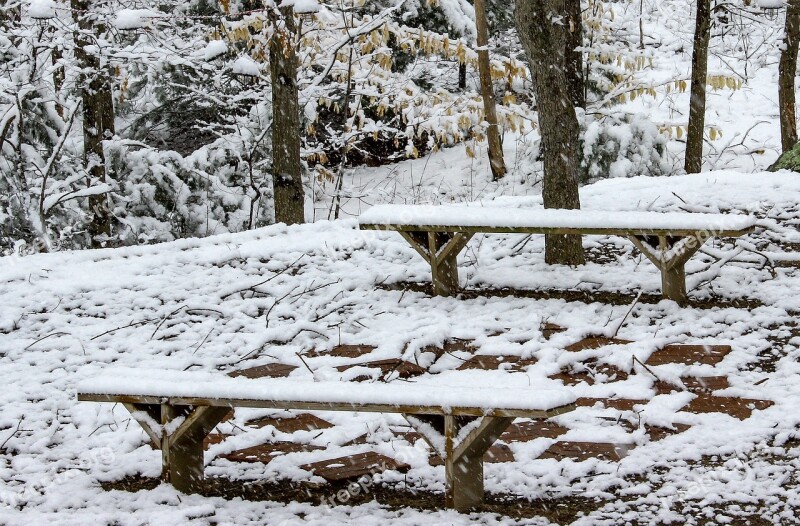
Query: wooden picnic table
{"type": "Point", "coordinates": [177, 409]}
{"type": "Point", "coordinates": [668, 240]}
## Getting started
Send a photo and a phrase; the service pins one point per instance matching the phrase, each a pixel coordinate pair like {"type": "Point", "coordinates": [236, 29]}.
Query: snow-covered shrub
{"type": "Point", "coordinates": [162, 195]}
{"type": "Point", "coordinates": [621, 147]}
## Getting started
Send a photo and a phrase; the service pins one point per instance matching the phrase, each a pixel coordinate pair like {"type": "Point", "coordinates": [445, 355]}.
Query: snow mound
{"type": "Point", "coordinates": [245, 65]}
{"type": "Point", "coordinates": [129, 19]}
{"type": "Point", "coordinates": [42, 9]}
{"type": "Point", "coordinates": [214, 49]}
{"type": "Point", "coordinates": [303, 7]}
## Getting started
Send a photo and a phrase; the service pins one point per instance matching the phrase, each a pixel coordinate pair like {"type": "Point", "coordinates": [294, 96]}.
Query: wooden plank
{"type": "Point", "coordinates": [480, 438]}
{"type": "Point", "coordinates": [649, 252]}
{"type": "Point", "coordinates": [673, 284]}
{"type": "Point", "coordinates": [598, 230]}
{"type": "Point", "coordinates": [580, 451]}
{"type": "Point", "coordinates": [527, 431]}
{"type": "Point", "coordinates": [496, 362]}
{"type": "Point", "coordinates": [343, 351]}
{"type": "Point", "coordinates": [265, 453]}
{"type": "Point", "coordinates": [740, 408]}
{"type": "Point", "coordinates": [149, 418]}
{"type": "Point", "coordinates": [705, 383]}
{"type": "Point", "coordinates": [551, 329]}
{"type": "Point", "coordinates": [453, 247]}
{"type": "Point", "coordinates": [689, 354]}
{"type": "Point", "coordinates": [657, 433]}
{"type": "Point", "coordinates": [270, 370]}
{"type": "Point", "coordinates": [291, 423]}
{"type": "Point", "coordinates": [444, 268]}
{"type": "Point", "coordinates": [328, 406]}
{"type": "Point", "coordinates": [594, 342]}
{"type": "Point", "coordinates": [403, 368]}
{"type": "Point", "coordinates": [355, 466]}
{"type": "Point", "coordinates": [199, 422]}
{"type": "Point", "coordinates": [611, 372]}
{"type": "Point", "coordinates": [421, 250]}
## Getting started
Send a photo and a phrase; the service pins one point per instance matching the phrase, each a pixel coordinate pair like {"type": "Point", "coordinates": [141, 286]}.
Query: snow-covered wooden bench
{"type": "Point", "coordinates": [439, 233]}
{"type": "Point", "coordinates": [178, 409]}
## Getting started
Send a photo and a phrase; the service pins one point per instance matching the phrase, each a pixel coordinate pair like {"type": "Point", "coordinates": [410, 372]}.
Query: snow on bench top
{"type": "Point", "coordinates": [494, 218]}
{"type": "Point", "coordinates": [181, 384]}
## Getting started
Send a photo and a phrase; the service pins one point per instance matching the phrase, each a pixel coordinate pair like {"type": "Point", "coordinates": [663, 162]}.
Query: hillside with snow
{"type": "Point", "coordinates": [143, 233]}
{"type": "Point", "coordinates": [290, 295]}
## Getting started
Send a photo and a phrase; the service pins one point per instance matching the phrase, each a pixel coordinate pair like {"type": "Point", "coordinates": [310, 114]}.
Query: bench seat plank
{"type": "Point", "coordinates": [489, 219]}
{"type": "Point", "coordinates": [136, 386]}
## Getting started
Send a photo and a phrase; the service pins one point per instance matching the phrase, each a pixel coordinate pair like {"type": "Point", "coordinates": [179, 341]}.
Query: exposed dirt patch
{"type": "Point", "coordinates": [584, 296]}
{"type": "Point", "coordinates": [562, 510]}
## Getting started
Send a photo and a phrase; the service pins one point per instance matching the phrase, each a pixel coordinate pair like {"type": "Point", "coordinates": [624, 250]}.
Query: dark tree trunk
{"type": "Point", "coordinates": [545, 43]}
{"type": "Point", "coordinates": [58, 78]}
{"type": "Point", "coordinates": [462, 76]}
{"type": "Point", "coordinates": [286, 168]}
{"type": "Point", "coordinates": [787, 69]}
{"type": "Point", "coordinates": [98, 116]}
{"type": "Point", "coordinates": [573, 54]}
{"type": "Point", "coordinates": [697, 101]}
{"type": "Point", "coordinates": [496, 160]}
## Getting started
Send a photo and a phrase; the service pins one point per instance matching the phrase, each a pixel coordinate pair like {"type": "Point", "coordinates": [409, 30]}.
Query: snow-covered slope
{"type": "Point", "coordinates": [235, 301]}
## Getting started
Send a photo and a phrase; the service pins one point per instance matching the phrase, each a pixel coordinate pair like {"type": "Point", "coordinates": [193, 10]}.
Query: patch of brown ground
{"type": "Point", "coordinates": [563, 510]}
{"type": "Point", "coordinates": [584, 296]}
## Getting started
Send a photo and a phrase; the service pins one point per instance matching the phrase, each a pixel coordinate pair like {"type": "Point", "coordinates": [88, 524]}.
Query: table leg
{"type": "Point", "coordinates": [440, 250]}
{"type": "Point", "coordinates": [181, 447]}
{"type": "Point", "coordinates": [463, 455]}
{"type": "Point", "coordinates": [671, 258]}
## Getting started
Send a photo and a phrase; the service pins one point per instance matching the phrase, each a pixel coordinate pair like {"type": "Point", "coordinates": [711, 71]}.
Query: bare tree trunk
{"type": "Point", "coordinates": [545, 43]}
{"type": "Point", "coordinates": [98, 116]}
{"type": "Point", "coordinates": [697, 103]}
{"type": "Point", "coordinates": [286, 168]}
{"type": "Point", "coordinates": [787, 69]}
{"type": "Point", "coordinates": [496, 160]}
{"type": "Point", "coordinates": [58, 78]}
{"type": "Point", "coordinates": [573, 54]}
{"type": "Point", "coordinates": [462, 76]}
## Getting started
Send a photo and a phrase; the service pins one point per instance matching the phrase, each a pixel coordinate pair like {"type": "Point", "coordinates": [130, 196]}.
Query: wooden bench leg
{"type": "Point", "coordinates": [673, 284]}
{"type": "Point", "coordinates": [671, 261]}
{"type": "Point", "coordinates": [440, 250]}
{"type": "Point", "coordinates": [181, 443]}
{"type": "Point", "coordinates": [463, 455]}
{"type": "Point", "coordinates": [182, 449]}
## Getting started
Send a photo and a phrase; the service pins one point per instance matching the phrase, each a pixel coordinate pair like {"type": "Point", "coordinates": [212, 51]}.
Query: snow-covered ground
{"type": "Point", "coordinates": [235, 301]}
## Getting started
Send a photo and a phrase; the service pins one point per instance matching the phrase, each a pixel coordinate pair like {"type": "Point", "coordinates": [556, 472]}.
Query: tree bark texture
{"type": "Point", "coordinates": [487, 90]}
{"type": "Point", "coordinates": [573, 54]}
{"type": "Point", "coordinates": [545, 43]}
{"type": "Point", "coordinates": [286, 168]}
{"type": "Point", "coordinates": [787, 70]}
{"type": "Point", "coordinates": [697, 101]}
{"type": "Point", "coordinates": [96, 89]}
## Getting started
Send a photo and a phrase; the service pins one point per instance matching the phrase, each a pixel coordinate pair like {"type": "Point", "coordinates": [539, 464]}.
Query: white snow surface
{"type": "Point", "coordinates": [245, 65]}
{"type": "Point", "coordinates": [134, 18]}
{"type": "Point", "coordinates": [214, 49]}
{"type": "Point", "coordinates": [302, 6]}
{"type": "Point", "coordinates": [495, 217]}
{"type": "Point", "coordinates": [272, 295]}
{"type": "Point", "coordinates": [42, 9]}
{"type": "Point", "coordinates": [427, 393]}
